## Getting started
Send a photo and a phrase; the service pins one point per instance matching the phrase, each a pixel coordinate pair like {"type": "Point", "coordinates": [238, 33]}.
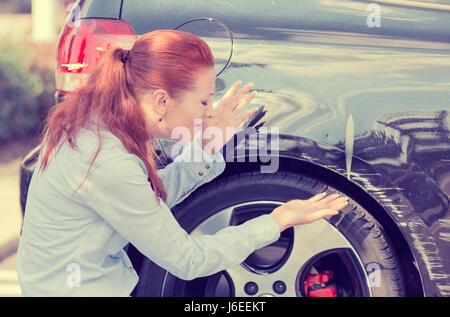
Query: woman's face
{"type": "Point", "coordinates": [179, 114]}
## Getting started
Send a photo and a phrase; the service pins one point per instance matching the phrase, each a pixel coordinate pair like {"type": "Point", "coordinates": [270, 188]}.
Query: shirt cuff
{"type": "Point", "coordinates": [265, 230]}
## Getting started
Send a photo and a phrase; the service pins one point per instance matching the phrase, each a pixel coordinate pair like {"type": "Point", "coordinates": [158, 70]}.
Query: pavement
{"type": "Point", "coordinates": [9, 283]}
{"type": "Point", "coordinates": [10, 212]}
{"type": "Point", "coordinates": [10, 224]}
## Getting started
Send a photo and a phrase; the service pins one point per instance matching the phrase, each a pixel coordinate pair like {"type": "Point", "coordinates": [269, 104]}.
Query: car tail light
{"type": "Point", "coordinates": [82, 43]}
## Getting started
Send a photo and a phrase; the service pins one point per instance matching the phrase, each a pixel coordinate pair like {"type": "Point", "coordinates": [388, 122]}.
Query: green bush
{"type": "Point", "coordinates": [27, 86]}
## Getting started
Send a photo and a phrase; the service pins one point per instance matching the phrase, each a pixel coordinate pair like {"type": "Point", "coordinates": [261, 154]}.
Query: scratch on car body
{"type": "Point", "coordinates": [429, 254]}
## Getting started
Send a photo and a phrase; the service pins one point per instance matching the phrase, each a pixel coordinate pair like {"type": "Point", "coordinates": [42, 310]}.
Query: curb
{"type": "Point", "coordinates": [9, 248]}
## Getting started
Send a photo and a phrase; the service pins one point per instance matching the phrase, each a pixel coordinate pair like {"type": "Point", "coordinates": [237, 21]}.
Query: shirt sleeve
{"type": "Point", "coordinates": [119, 192]}
{"type": "Point", "coordinates": [189, 170]}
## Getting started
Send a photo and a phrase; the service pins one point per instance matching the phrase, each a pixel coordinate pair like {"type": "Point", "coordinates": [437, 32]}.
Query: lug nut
{"type": "Point", "coordinates": [251, 288]}
{"type": "Point", "coordinates": [279, 287]}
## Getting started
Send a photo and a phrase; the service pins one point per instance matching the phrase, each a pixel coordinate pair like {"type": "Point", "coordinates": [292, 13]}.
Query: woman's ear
{"type": "Point", "coordinates": [159, 100]}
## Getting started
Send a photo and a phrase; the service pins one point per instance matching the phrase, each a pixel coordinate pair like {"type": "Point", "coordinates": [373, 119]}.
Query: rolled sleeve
{"type": "Point", "coordinates": [192, 168]}
{"type": "Point", "coordinates": [119, 192]}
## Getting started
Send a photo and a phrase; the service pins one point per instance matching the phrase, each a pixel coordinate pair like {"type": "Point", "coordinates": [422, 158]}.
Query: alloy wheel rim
{"type": "Point", "coordinates": [309, 242]}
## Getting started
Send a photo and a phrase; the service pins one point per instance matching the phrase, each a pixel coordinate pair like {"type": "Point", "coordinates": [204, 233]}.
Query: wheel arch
{"type": "Point", "coordinates": [301, 160]}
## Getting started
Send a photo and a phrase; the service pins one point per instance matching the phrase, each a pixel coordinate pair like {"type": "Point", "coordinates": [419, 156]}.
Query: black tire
{"type": "Point", "coordinates": [362, 230]}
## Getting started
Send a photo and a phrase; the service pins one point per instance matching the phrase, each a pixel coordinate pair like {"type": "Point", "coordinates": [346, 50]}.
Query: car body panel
{"type": "Point", "coordinates": [400, 129]}
{"type": "Point", "coordinates": [99, 9]}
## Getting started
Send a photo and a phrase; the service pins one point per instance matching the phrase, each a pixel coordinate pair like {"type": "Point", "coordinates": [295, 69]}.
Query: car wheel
{"type": "Point", "coordinates": [345, 255]}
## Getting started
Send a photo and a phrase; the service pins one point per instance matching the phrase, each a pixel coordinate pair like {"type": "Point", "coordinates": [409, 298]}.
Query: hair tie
{"type": "Point", "coordinates": [125, 56]}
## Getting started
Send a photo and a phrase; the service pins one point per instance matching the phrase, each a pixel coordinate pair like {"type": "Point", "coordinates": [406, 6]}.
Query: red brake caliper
{"type": "Point", "coordinates": [316, 285]}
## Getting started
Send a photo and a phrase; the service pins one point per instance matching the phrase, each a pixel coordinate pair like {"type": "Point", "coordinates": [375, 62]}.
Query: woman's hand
{"type": "Point", "coordinates": [224, 117]}
{"type": "Point", "coordinates": [297, 211]}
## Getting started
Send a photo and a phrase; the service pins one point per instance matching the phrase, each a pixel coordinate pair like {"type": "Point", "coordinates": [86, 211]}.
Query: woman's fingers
{"type": "Point", "coordinates": [230, 93]}
{"type": "Point", "coordinates": [245, 102]}
{"type": "Point", "coordinates": [245, 116]}
{"type": "Point", "coordinates": [333, 201]}
{"type": "Point", "coordinates": [329, 198]}
{"type": "Point", "coordinates": [324, 213]}
{"type": "Point", "coordinates": [339, 203]}
{"type": "Point", "coordinates": [236, 100]}
{"type": "Point", "coordinates": [317, 197]}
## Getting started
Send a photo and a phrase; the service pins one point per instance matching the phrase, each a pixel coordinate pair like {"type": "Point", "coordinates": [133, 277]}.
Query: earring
{"type": "Point", "coordinates": [160, 119]}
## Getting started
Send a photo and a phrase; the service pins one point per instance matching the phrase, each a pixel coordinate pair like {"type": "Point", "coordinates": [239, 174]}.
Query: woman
{"type": "Point", "coordinates": [96, 186]}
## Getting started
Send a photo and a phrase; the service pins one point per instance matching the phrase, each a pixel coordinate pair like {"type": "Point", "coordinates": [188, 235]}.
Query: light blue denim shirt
{"type": "Point", "coordinates": [73, 246]}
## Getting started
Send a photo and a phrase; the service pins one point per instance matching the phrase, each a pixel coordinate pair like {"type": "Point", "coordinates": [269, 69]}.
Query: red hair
{"type": "Point", "coordinates": [161, 59]}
